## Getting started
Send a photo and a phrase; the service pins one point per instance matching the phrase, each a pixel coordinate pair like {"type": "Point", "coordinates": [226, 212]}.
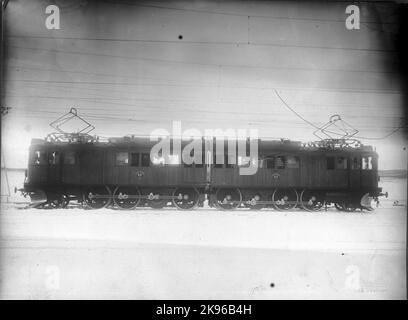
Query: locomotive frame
{"type": "Point", "coordinates": [120, 173]}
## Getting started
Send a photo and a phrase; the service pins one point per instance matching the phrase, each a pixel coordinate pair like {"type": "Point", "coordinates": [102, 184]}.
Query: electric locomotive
{"type": "Point", "coordinates": [121, 173]}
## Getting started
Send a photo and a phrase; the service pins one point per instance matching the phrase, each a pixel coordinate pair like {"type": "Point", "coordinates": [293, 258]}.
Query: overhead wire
{"type": "Point", "coordinates": [234, 43]}
{"type": "Point", "coordinates": [318, 128]}
{"type": "Point", "coordinates": [161, 7]}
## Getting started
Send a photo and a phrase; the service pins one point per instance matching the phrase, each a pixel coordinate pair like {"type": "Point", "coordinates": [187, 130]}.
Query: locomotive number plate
{"type": "Point", "coordinates": [275, 176]}
{"type": "Point", "coordinates": [139, 173]}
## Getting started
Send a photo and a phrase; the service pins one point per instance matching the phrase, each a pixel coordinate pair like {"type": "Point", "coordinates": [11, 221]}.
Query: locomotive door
{"type": "Point", "coordinates": [70, 167]}
{"type": "Point", "coordinates": [337, 172]}
{"type": "Point", "coordinates": [54, 167]}
{"type": "Point", "coordinates": [38, 165]}
{"type": "Point", "coordinates": [195, 173]}
{"type": "Point", "coordinates": [369, 173]}
{"type": "Point", "coordinates": [355, 172]}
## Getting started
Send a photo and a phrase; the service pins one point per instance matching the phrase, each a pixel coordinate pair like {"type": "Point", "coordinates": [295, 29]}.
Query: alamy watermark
{"type": "Point", "coordinates": [52, 21]}
{"type": "Point", "coordinates": [241, 147]}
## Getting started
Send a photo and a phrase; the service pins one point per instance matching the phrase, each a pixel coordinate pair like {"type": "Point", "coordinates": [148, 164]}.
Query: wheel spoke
{"type": "Point", "coordinates": [350, 207]}
{"type": "Point", "coordinates": [285, 199]}
{"type": "Point", "coordinates": [185, 198]}
{"type": "Point", "coordinates": [154, 199]}
{"type": "Point", "coordinates": [345, 206]}
{"type": "Point", "coordinates": [255, 202]}
{"type": "Point", "coordinates": [228, 199]}
{"type": "Point", "coordinates": [126, 197]}
{"type": "Point", "coordinates": [311, 201]}
{"type": "Point", "coordinates": [98, 197]}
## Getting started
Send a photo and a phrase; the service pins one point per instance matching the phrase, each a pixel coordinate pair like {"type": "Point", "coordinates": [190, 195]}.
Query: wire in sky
{"type": "Point", "coordinates": [249, 43]}
{"type": "Point", "coordinates": [221, 66]}
{"type": "Point", "coordinates": [297, 114]}
{"type": "Point", "coordinates": [353, 90]}
{"type": "Point", "coordinates": [146, 5]}
{"type": "Point", "coordinates": [316, 127]}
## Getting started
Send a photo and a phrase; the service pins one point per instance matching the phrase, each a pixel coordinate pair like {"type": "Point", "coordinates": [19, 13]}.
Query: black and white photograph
{"type": "Point", "coordinates": [203, 150]}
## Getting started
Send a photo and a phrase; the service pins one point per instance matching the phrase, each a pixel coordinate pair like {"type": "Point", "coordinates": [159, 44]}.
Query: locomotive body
{"type": "Point", "coordinates": [120, 172]}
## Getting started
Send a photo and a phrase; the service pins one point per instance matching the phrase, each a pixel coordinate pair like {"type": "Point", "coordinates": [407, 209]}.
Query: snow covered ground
{"type": "Point", "coordinates": [208, 254]}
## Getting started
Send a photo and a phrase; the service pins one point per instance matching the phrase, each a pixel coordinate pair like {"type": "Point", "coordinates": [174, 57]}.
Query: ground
{"type": "Point", "coordinates": [206, 254]}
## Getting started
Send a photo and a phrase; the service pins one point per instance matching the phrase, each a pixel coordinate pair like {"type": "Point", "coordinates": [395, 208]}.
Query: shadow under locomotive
{"type": "Point", "coordinates": [119, 172]}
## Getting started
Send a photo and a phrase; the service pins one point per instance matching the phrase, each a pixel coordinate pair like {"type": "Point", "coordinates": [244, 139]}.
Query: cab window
{"type": "Point", "coordinates": [341, 163]}
{"type": "Point", "coordinates": [270, 162]}
{"type": "Point", "coordinates": [367, 163]}
{"type": "Point", "coordinates": [145, 159]}
{"type": "Point", "coordinates": [54, 158]}
{"type": "Point", "coordinates": [292, 162]}
{"type": "Point", "coordinates": [336, 163]}
{"type": "Point", "coordinates": [355, 163]}
{"type": "Point", "coordinates": [280, 162]}
{"type": "Point", "coordinates": [39, 157]}
{"type": "Point", "coordinates": [134, 159]}
{"type": "Point", "coordinates": [122, 158]}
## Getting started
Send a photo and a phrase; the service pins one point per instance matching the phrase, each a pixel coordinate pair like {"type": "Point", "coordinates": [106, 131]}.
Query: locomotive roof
{"type": "Point", "coordinates": [263, 144]}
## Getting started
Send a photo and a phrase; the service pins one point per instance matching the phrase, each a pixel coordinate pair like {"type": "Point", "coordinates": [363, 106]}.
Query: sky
{"type": "Point", "coordinates": [130, 67]}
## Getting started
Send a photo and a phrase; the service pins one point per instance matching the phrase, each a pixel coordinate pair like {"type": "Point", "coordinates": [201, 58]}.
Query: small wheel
{"type": "Point", "coordinates": [126, 197]}
{"type": "Point", "coordinates": [155, 200]}
{"type": "Point", "coordinates": [228, 198]}
{"type": "Point", "coordinates": [339, 206]}
{"type": "Point", "coordinates": [350, 207]}
{"type": "Point", "coordinates": [284, 199]}
{"type": "Point", "coordinates": [97, 197]}
{"type": "Point", "coordinates": [311, 201]}
{"type": "Point", "coordinates": [64, 200]}
{"type": "Point", "coordinates": [253, 203]}
{"type": "Point", "coordinates": [54, 201]}
{"type": "Point", "coordinates": [345, 206]}
{"type": "Point", "coordinates": [51, 204]}
{"type": "Point", "coordinates": [185, 198]}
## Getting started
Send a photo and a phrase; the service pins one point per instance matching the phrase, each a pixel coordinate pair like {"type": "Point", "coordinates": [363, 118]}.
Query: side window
{"type": "Point", "coordinates": [189, 165]}
{"type": "Point", "coordinates": [69, 157]}
{"type": "Point", "coordinates": [367, 163]}
{"type": "Point", "coordinates": [341, 163]}
{"type": "Point", "coordinates": [270, 162]}
{"type": "Point", "coordinates": [173, 159]}
{"type": "Point", "coordinates": [280, 162]}
{"type": "Point", "coordinates": [243, 161]}
{"type": "Point", "coordinates": [292, 162]}
{"type": "Point", "coordinates": [229, 163]}
{"type": "Point", "coordinates": [39, 157]}
{"type": "Point", "coordinates": [330, 163]}
{"type": "Point", "coordinates": [217, 165]}
{"type": "Point", "coordinates": [134, 159]}
{"type": "Point", "coordinates": [200, 165]}
{"type": "Point", "coordinates": [159, 160]}
{"type": "Point", "coordinates": [355, 163]}
{"type": "Point", "coordinates": [122, 158]}
{"type": "Point", "coordinates": [145, 159]}
{"type": "Point", "coordinates": [374, 163]}
{"type": "Point", "coordinates": [54, 158]}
